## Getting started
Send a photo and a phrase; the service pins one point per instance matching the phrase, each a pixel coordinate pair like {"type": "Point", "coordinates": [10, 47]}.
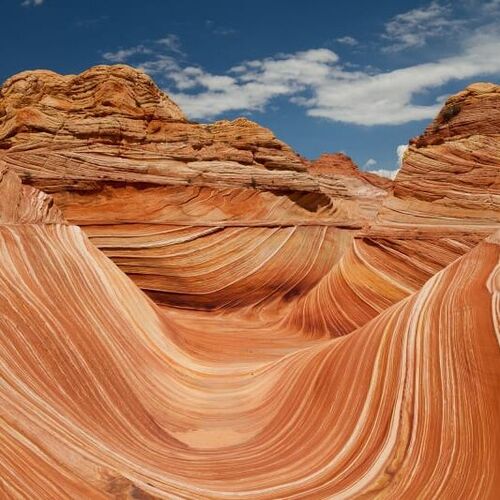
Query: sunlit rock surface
{"type": "Point", "coordinates": [304, 330]}
{"type": "Point", "coordinates": [198, 215]}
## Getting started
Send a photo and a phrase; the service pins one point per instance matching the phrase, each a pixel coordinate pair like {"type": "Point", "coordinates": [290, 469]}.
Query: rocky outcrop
{"type": "Point", "coordinates": [239, 379]}
{"type": "Point", "coordinates": [450, 175]}
{"type": "Point", "coordinates": [111, 127]}
{"type": "Point", "coordinates": [335, 164]}
{"type": "Point", "coordinates": [20, 204]}
{"type": "Point", "coordinates": [174, 203]}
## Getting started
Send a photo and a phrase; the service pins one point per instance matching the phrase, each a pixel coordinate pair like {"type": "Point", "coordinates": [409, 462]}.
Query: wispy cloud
{"type": "Point", "coordinates": [154, 50]}
{"type": "Point", "coordinates": [219, 30]}
{"type": "Point", "coordinates": [316, 80]}
{"type": "Point", "coordinates": [32, 3]}
{"type": "Point", "coordinates": [170, 42]}
{"type": "Point", "coordinates": [414, 28]}
{"type": "Point", "coordinates": [384, 172]}
{"type": "Point", "coordinates": [371, 162]}
{"type": "Point", "coordinates": [347, 40]}
{"type": "Point", "coordinates": [124, 55]}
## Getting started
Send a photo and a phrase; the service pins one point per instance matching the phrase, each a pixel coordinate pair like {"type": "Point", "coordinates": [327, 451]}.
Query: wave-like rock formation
{"type": "Point", "coordinates": [445, 200]}
{"type": "Point", "coordinates": [334, 164]}
{"type": "Point", "coordinates": [21, 204]}
{"type": "Point", "coordinates": [198, 215]}
{"type": "Point", "coordinates": [308, 330]}
{"type": "Point", "coordinates": [99, 400]}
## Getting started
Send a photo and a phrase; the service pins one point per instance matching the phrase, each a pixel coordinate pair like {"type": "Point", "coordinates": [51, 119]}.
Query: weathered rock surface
{"type": "Point", "coordinates": [228, 384]}
{"type": "Point", "coordinates": [121, 161]}
{"type": "Point", "coordinates": [20, 204]}
{"type": "Point", "coordinates": [101, 398]}
{"type": "Point", "coordinates": [336, 164]}
{"type": "Point", "coordinates": [450, 177]}
{"type": "Point", "coordinates": [111, 126]}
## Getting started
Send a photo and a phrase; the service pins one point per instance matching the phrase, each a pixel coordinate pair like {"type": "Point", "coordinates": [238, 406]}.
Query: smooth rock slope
{"type": "Point", "coordinates": [99, 399]}
{"type": "Point", "coordinates": [231, 320]}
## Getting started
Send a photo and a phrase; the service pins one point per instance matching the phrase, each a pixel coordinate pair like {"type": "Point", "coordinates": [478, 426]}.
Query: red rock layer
{"type": "Point", "coordinates": [450, 177]}
{"type": "Point", "coordinates": [121, 161]}
{"type": "Point", "coordinates": [340, 164]}
{"type": "Point", "coordinates": [20, 204]}
{"type": "Point", "coordinates": [238, 391]}
{"type": "Point", "coordinates": [99, 400]}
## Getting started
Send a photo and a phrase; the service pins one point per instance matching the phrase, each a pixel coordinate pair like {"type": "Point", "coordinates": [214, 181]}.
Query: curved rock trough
{"type": "Point", "coordinates": [196, 311]}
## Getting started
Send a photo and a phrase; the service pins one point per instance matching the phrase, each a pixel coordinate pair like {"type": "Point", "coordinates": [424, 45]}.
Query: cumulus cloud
{"type": "Point", "coordinates": [387, 98]}
{"type": "Point", "coordinates": [400, 152]}
{"type": "Point", "coordinates": [347, 40]}
{"type": "Point", "coordinates": [370, 163]}
{"type": "Point", "coordinates": [252, 84]}
{"type": "Point", "coordinates": [314, 79]}
{"type": "Point", "coordinates": [32, 3]}
{"type": "Point", "coordinates": [383, 172]}
{"type": "Point", "coordinates": [414, 28]}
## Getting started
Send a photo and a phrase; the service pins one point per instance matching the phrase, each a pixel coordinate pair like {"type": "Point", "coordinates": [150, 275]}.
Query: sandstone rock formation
{"type": "Point", "coordinates": [121, 160]}
{"type": "Point", "coordinates": [238, 379]}
{"type": "Point", "coordinates": [336, 164]}
{"type": "Point", "coordinates": [111, 128]}
{"type": "Point", "coordinates": [21, 204]}
{"type": "Point", "coordinates": [100, 400]}
{"type": "Point", "coordinates": [450, 177]}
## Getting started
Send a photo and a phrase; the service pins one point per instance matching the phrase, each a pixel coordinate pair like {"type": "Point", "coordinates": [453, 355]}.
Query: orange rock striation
{"type": "Point", "coordinates": [196, 214]}
{"type": "Point", "coordinates": [101, 400]}
{"type": "Point", "coordinates": [335, 164]}
{"type": "Point", "coordinates": [445, 200]}
{"type": "Point", "coordinates": [238, 380]}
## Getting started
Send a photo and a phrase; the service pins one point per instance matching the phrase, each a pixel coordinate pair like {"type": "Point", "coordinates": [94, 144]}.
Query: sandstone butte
{"type": "Point", "coordinates": [196, 311]}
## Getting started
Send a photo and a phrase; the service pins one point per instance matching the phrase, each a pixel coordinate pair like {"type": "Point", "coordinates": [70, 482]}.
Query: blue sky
{"type": "Point", "coordinates": [355, 76]}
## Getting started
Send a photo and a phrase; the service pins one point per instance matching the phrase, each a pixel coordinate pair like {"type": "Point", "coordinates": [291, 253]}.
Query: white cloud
{"type": "Point", "coordinates": [252, 84]}
{"type": "Point", "coordinates": [414, 28]}
{"type": "Point", "coordinates": [370, 163]}
{"type": "Point", "coordinates": [170, 42]}
{"type": "Point", "coordinates": [347, 40]}
{"type": "Point", "coordinates": [400, 151]}
{"type": "Point", "coordinates": [316, 80]}
{"type": "Point", "coordinates": [387, 98]}
{"type": "Point", "coordinates": [123, 55]}
{"type": "Point", "coordinates": [32, 3]}
{"type": "Point", "coordinates": [383, 172]}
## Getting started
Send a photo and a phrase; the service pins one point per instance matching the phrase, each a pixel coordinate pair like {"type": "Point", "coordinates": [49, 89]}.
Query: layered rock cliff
{"type": "Point", "coordinates": [238, 379]}
{"type": "Point", "coordinates": [111, 128]}
{"type": "Point", "coordinates": [101, 399]}
{"type": "Point", "coordinates": [199, 215]}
